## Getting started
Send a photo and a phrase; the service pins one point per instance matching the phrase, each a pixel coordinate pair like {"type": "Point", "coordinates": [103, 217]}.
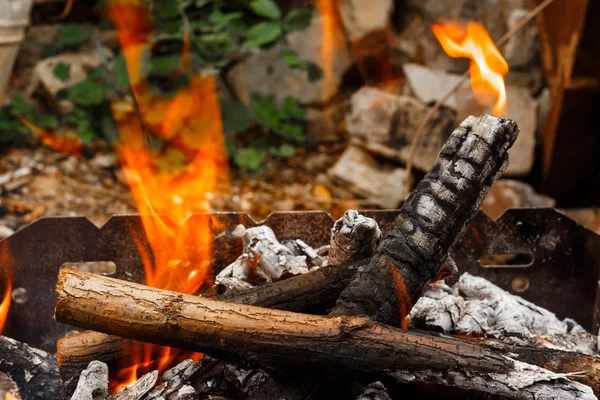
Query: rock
{"type": "Point", "coordinates": [520, 107]}
{"type": "Point", "coordinates": [385, 123]}
{"type": "Point", "coordinates": [5, 232]}
{"type": "Point", "coordinates": [361, 17]}
{"type": "Point", "coordinates": [429, 85]}
{"type": "Point", "coordinates": [522, 48]}
{"type": "Point", "coordinates": [79, 63]}
{"type": "Point", "coordinates": [362, 175]}
{"type": "Point", "coordinates": [36, 38]}
{"type": "Point", "coordinates": [267, 73]}
{"type": "Point", "coordinates": [104, 161]}
{"type": "Point", "coordinates": [324, 125]}
{"type": "Point", "coordinates": [509, 193]}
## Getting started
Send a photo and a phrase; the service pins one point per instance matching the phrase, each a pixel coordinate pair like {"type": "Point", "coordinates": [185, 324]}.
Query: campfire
{"type": "Point", "coordinates": [427, 298]}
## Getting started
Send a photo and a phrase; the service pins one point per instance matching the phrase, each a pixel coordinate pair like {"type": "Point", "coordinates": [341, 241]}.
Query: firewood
{"type": "Point", "coordinates": [33, 370]}
{"type": "Point", "coordinates": [434, 216]}
{"type": "Point", "coordinates": [313, 292]}
{"type": "Point", "coordinates": [273, 336]}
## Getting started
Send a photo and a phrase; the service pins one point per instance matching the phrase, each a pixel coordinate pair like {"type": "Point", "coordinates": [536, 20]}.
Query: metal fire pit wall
{"type": "Point", "coordinates": [563, 276]}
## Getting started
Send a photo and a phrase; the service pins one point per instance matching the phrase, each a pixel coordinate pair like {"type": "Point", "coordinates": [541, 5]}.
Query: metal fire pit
{"type": "Point", "coordinates": [562, 276]}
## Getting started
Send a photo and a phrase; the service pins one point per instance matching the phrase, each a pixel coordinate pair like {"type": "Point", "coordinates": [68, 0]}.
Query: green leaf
{"type": "Point", "coordinates": [293, 132]}
{"type": "Point", "coordinates": [85, 131]}
{"type": "Point", "coordinates": [72, 35]}
{"type": "Point", "coordinates": [266, 8]}
{"type": "Point", "coordinates": [250, 157]}
{"type": "Point", "coordinates": [86, 93]}
{"type": "Point", "coordinates": [291, 58]}
{"type": "Point", "coordinates": [291, 109]}
{"type": "Point", "coordinates": [264, 111]}
{"type": "Point", "coordinates": [160, 66]}
{"type": "Point", "coordinates": [236, 117]}
{"type": "Point", "coordinates": [120, 71]}
{"type": "Point", "coordinates": [263, 33]}
{"type": "Point", "coordinates": [165, 9]}
{"type": "Point", "coordinates": [285, 150]}
{"type": "Point", "coordinates": [297, 19]}
{"type": "Point", "coordinates": [47, 121]}
{"type": "Point", "coordinates": [62, 71]}
{"type": "Point", "coordinates": [19, 106]}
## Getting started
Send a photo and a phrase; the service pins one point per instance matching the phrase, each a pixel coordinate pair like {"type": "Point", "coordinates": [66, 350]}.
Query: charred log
{"type": "Point", "coordinates": [33, 370]}
{"type": "Point", "coordinates": [434, 216]}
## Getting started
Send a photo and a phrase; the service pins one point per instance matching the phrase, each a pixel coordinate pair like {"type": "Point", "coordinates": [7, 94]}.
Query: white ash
{"type": "Point", "coordinates": [300, 248]}
{"type": "Point", "coordinates": [266, 260]}
{"type": "Point", "coordinates": [476, 306]}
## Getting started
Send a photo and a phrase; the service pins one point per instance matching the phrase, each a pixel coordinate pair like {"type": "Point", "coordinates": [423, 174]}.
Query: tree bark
{"type": "Point", "coordinates": [33, 370]}
{"type": "Point", "coordinates": [434, 216]}
{"type": "Point", "coordinates": [190, 322]}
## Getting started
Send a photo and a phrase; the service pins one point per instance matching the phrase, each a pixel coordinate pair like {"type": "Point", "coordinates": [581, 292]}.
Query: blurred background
{"type": "Point", "coordinates": [112, 107]}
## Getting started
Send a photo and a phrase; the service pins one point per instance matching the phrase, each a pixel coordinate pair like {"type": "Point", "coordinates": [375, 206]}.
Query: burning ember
{"type": "Point", "coordinates": [169, 183]}
{"type": "Point", "coordinates": [487, 67]}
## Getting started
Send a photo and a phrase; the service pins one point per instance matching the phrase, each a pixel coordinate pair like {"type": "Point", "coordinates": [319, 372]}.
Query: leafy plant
{"type": "Point", "coordinates": [283, 122]}
{"type": "Point", "coordinates": [217, 33]}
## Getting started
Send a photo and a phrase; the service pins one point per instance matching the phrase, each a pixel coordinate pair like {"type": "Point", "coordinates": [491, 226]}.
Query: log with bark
{"type": "Point", "coordinates": [279, 337]}
{"type": "Point", "coordinates": [434, 216]}
{"type": "Point", "coordinates": [33, 370]}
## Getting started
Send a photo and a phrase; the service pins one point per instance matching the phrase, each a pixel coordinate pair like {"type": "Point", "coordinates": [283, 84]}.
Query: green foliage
{"type": "Point", "coordinates": [68, 38]}
{"type": "Point", "coordinates": [266, 8]}
{"type": "Point", "coordinates": [297, 19]}
{"type": "Point", "coordinates": [62, 71]}
{"type": "Point", "coordinates": [283, 122]}
{"type": "Point", "coordinates": [86, 93]}
{"type": "Point", "coordinates": [217, 33]}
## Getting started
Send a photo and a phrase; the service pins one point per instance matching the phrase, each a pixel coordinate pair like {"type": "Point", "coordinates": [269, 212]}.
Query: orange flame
{"type": "Point", "coordinates": [66, 142]}
{"type": "Point", "coordinates": [5, 303]}
{"type": "Point", "coordinates": [331, 39]}
{"type": "Point", "coordinates": [169, 184]}
{"type": "Point", "coordinates": [487, 67]}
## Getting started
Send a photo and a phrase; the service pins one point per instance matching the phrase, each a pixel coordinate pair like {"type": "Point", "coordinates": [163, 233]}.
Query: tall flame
{"type": "Point", "coordinates": [170, 184]}
{"type": "Point", "coordinates": [331, 40]}
{"type": "Point", "coordinates": [487, 67]}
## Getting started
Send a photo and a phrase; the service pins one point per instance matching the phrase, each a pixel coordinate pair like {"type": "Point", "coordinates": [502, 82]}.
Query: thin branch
{"type": "Point", "coordinates": [433, 110]}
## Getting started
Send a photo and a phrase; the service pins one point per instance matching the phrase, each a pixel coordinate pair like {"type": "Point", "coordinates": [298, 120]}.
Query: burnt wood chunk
{"type": "Point", "coordinates": [34, 371]}
{"type": "Point", "coordinates": [434, 216]}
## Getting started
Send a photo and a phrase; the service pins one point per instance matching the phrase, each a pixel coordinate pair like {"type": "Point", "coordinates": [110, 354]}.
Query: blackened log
{"type": "Point", "coordinates": [434, 216]}
{"type": "Point", "coordinates": [33, 370]}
